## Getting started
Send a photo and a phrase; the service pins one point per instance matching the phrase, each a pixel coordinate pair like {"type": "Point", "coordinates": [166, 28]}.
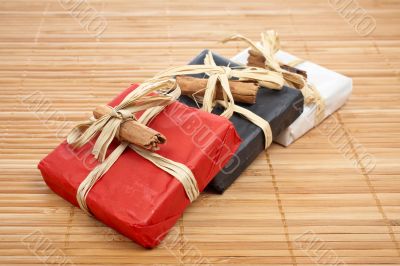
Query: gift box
{"type": "Point", "coordinates": [279, 107]}
{"type": "Point", "coordinates": [333, 87]}
{"type": "Point", "coordinates": [135, 197]}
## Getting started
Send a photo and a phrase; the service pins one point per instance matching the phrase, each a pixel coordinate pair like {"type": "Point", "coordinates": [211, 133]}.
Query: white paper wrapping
{"type": "Point", "coordinates": [333, 87]}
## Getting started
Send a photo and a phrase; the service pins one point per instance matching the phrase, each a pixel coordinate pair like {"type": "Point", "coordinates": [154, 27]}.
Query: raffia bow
{"type": "Point", "coordinates": [222, 74]}
{"type": "Point", "coordinates": [138, 100]}
{"type": "Point", "coordinates": [267, 48]}
{"type": "Point", "coordinates": [109, 125]}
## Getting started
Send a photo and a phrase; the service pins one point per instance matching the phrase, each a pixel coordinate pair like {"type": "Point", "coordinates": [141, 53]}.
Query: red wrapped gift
{"type": "Point", "coordinates": [135, 197]}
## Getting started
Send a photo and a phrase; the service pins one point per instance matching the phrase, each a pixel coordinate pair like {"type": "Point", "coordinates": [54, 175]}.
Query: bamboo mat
{"type": "Point", "coordinates": [308, 204]}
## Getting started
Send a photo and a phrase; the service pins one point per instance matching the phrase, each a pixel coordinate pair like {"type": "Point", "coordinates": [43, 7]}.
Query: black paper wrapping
{"type": "Point", "coordinates": [279, 107]}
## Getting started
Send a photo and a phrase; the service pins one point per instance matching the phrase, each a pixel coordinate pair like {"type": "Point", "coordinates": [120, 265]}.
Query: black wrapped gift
{"type": "Point", "coordinates": [279, 107]}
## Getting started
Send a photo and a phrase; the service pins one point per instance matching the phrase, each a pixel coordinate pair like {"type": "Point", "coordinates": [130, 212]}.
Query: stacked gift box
{"type": "Point", "coordinates": [279, 107]}
{"type": "Point", "coordinates": [159, 144]}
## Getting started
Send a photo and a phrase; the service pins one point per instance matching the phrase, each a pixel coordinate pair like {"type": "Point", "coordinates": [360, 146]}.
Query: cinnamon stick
{"type": "Point", "coordinates": [134, 132]}
{"type": "Point", "coordinates": [256, 59]}
{"type": "Point", "coordinates": [242, 91]}
{"type": "Point", "coordinates": [294, 70]}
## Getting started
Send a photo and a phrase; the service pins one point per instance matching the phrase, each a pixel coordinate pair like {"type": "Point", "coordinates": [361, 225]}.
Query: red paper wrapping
{"type": "Point", "coordinates": [135, 197]}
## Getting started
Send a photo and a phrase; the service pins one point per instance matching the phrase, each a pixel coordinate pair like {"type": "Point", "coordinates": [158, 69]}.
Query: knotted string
{"type": "Point", "coordinates": [267, 48]}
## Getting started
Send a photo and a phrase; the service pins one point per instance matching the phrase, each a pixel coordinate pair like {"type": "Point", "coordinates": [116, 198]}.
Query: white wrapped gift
{"type": "Point", "coordinates": [333, 87]}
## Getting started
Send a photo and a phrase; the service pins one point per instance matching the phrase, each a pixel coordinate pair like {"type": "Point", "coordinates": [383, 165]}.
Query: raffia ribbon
{"type": "Point", "coordinates": [138, 100]}
{"type": "Point", "coordinates": [316, 96]}
{"type": "Point", "coordinates": [109, 125]}
{"type": "Point", "coordinates": [222, 74]}
{"type": "Point", "coordinates": [267, 48]}
{"type": "Point", "coordinates": [228, 102]}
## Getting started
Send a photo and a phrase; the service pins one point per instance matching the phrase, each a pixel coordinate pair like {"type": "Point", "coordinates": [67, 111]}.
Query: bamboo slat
{"type": "Point", "coordinates": [307, 204]}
